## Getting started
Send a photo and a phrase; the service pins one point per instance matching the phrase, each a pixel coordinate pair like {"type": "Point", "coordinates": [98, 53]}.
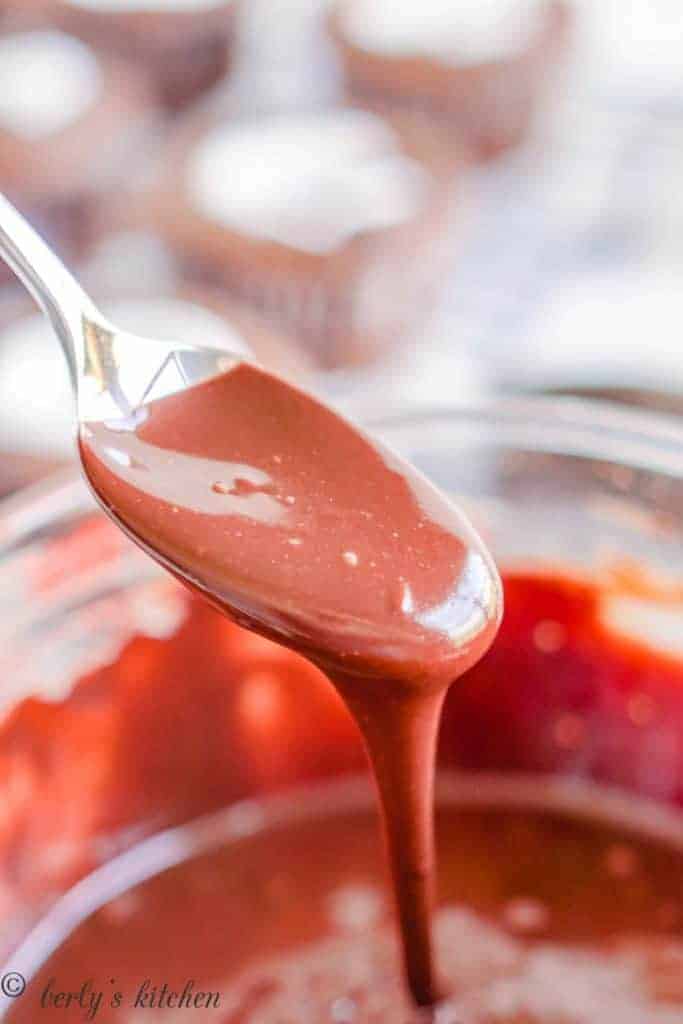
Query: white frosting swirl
{"type": "Point", "coordinates": [310, 181]}
{"type": "Point", "coordinates": [453, 31]}
{"type": "Point", "coordinates": [48, 80]}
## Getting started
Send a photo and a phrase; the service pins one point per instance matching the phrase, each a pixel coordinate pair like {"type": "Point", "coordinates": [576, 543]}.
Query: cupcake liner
{"type": "Point", "coordinates": [184, 53]}
{"type": "Point", "coordinates": [490, 106]}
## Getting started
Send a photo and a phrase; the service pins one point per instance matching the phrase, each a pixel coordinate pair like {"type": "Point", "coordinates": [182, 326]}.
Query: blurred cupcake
{"type": "Point", "coordinates": [185, 45]}
{"type": "Point", "coordinates": [478, 67]}
{"type": "Point", "coordinates": [36, 403]}
{"type": "Point", "coordinates": [67, 120]}
{"type": "Point", "coordinates": [333, 224]}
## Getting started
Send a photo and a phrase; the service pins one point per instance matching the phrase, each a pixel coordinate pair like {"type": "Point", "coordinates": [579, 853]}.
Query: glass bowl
{"type": "Point", "coordinates": [159, 730]}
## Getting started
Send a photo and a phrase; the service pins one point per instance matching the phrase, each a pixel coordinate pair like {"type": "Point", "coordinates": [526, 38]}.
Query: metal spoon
{"type": "Point", "coordinates": [113, 372]}
{"type": "Point", "coordinates": [117, 375]}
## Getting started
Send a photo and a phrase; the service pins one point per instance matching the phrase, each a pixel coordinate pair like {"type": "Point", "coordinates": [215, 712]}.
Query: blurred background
{"type": "Point", "coordinates": [393, 202]}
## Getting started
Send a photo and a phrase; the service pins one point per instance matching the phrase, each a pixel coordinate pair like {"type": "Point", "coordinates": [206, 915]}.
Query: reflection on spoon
{"type": "Point", "coordinates": [209, 486]}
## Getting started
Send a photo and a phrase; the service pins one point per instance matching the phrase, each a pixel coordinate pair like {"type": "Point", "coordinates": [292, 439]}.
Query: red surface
{"type": "Point", "coordinates": [178, 726]}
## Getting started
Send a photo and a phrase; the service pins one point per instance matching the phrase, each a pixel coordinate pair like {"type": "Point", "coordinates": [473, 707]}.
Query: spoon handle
{"type": "Point", "coordinates": [48, 281]}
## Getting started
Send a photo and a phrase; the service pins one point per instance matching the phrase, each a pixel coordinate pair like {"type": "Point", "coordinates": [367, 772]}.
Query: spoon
{"type": "Point", "coordinates": [117, 376]}
{"type": "Point", "coordinates": [297, 525]}
{"type": "Point", "coordinates": [112, 371]}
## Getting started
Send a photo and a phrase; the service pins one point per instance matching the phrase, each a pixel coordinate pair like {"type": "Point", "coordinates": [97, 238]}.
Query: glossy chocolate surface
{"type": "Point", "coordinates": [298, 526]}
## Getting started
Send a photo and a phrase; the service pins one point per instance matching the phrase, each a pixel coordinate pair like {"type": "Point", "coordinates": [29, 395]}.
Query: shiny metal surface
{"type": "Point", "coordinates": [113, 372]}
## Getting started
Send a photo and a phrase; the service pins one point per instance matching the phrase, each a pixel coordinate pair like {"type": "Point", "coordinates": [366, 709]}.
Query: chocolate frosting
{"type": "Point", "coordinates": [299, 526]}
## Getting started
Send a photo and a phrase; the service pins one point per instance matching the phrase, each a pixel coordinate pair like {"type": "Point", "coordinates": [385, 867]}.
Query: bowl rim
{"type": "Point", "coordinates": [562, 425]}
